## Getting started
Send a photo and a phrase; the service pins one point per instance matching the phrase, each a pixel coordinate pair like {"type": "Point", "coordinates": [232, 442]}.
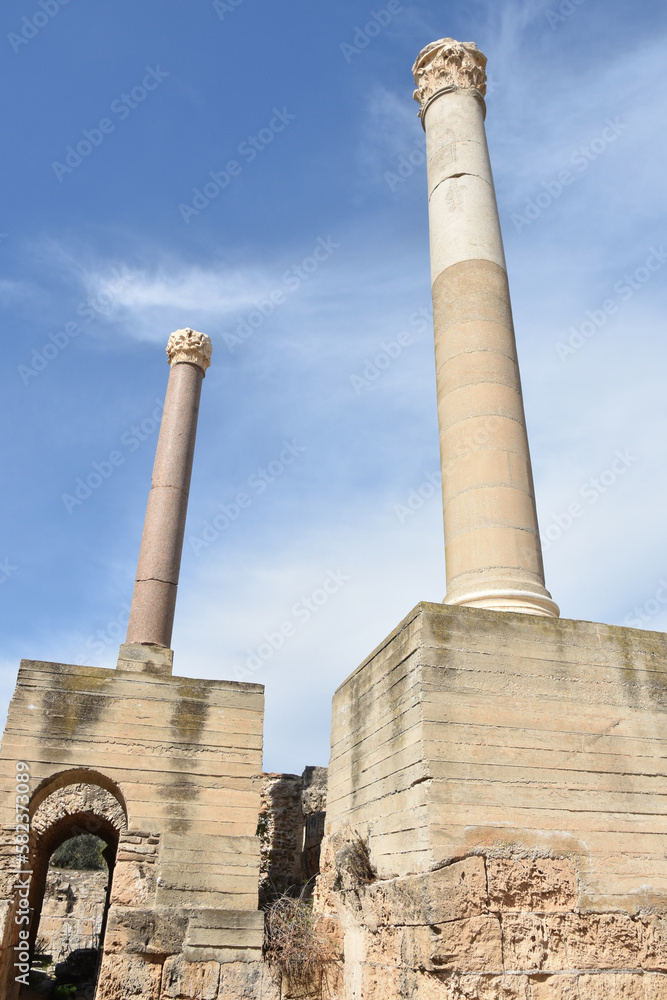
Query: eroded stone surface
{"type": "Point", "coordinates": [74, 800]}
{"type": "Point", "coordinates": [72, 911]}
{"type": "Point", "coordinates": [565, 987]}
{"type": "Point", "coordinates": [472, 987]}
{"type": "Point", "coordinates": [532, 884]}
{"type": "Point", "coordinates": [474, 944]}
{"type": "Point", "coordinates": [247, 981]}
{"type": "Point", "coordinates": [190, 980]}
{"type": "Point", "coordinates": [602, 941]}
{"type": "Point", "coordinates": [653, 942]}
{"type": "Point", "coordinates": [126, 977]}
{"type": "Point", "coordinates": [619, 986]}
{"type": "Point", "coordinates": [533, 941]}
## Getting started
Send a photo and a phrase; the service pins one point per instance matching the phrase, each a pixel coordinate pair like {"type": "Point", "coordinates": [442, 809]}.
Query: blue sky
{"type": "Point", "coordinates": [307, 261]}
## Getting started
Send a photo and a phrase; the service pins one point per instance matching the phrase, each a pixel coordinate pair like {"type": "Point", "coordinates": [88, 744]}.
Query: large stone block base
{"type": "Point", "coordinates": [487, 928]}
{"type": "Point", "coordinates": [474, 731]}
{"type": "Point", "coordinates": [497, 811]}
{"type": "Point", "coordinates": [166, 770]}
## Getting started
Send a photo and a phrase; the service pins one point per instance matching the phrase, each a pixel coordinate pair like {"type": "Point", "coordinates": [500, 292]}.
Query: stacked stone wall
{"type": "Point", "coordinates": [72, 911]}
{"type": "Point", "coordinates": [290, 828]}
{"type": "Point", "coordinates": [488, 928]}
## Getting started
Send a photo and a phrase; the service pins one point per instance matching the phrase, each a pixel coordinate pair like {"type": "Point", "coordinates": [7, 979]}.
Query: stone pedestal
{"type": "Point", "coordinates": [469, 731]}
{"type": "Point", "coordinates": [497, 811]}
{"type": "Point", "coordinates": [166, 770]}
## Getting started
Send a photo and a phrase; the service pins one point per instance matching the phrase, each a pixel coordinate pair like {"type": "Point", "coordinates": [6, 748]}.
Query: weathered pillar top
{"type": "Point", "coordinates": [190, 346]}
{"type": "Point", "coordinates": [448, 65]}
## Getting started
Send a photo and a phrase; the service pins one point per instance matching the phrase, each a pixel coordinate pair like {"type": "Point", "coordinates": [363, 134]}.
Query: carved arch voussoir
{"type": "Point", "coordinates": [78, 799]}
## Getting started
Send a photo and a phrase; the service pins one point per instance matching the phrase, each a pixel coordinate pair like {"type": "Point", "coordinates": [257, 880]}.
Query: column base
{"type": "Point", "coordinates": [145, 658]}
{"type": "Point", "coordinates": [523, 601]}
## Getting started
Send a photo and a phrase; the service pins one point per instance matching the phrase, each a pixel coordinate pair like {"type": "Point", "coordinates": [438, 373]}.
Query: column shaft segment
{"type": "Point", "coordinates": [154, 599]}
{"type": "Point", "coordinates": [492, 542]}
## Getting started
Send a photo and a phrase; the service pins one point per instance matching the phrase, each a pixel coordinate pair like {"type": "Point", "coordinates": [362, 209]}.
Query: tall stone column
{"type": "Point", "coordinates": [152, 613]}
{"type": "Point", "coordinates": [492, 542]}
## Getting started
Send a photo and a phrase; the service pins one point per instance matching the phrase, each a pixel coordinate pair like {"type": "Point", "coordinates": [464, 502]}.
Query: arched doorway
{"type": "Point", "coordinates": [68, 807]}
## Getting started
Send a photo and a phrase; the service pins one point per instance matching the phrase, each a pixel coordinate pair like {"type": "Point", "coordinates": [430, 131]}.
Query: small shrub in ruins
{"type": "Point", "coordinates": [353, 865]}
{"type": "Point", "coordinates": [293, 944]}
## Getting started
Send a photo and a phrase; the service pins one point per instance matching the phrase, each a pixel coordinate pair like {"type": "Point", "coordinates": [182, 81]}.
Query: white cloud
{"type": "Point", "coordinates": [13, 291]}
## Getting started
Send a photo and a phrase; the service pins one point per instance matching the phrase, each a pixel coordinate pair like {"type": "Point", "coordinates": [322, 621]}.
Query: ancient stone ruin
{"type": "Point", "coordinates": [493, 823]}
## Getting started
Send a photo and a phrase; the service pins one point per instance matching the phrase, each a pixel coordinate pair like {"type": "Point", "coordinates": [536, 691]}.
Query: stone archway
{"type": "Point", "coordinates": [65, 807]}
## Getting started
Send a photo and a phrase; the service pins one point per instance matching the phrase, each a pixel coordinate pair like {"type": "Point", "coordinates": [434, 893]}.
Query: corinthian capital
{"type": "Point", "coordinates": [448, 65]}
{"type": "Point", "coordinates": [188, 345]}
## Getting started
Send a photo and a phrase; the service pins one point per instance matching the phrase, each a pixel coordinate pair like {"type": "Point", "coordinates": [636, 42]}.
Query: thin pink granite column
{"type": "Point", "coordinates": [152, 613]}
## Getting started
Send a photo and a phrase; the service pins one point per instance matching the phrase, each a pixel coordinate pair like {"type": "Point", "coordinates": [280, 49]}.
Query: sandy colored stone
{"type": "Point", "coordinates": [247, 981]}
{"type": "Point", "coordinates": [537, 737]}
{"type": "Point", "coordinates": [78, 799]}
{"type": "Point", "coordinates": [474, 944]}
{"type": "Point", "coordinates": [383, 946]}
{"type": "Point", "coordinates": [126, 977]}
{"type": "Point", "coordinates": [72, 911]}
{"type": "Point", "coordinates": [601, 941]}
{"type": "Point", "coordinates": [606, 986]}
{"type": "Point", "coordinates": [189, 980]}
{"type": "Point", "coordinates": [547, 884]}
{"type": "Point", "coordinates": [381, 983]}
{"type": "Point", "coordinates": [469, 987]}
{"type": "Point", "coordinates": [174, 759]}
{"type": "Point", "coordinates": [486, 506]}
{"type": "Point", "coordinates": [653, 942]}
{"type": "Point", "coordinates": [151, 932]}
{"type": "Point", "coordinates": [450, 893]}
{"type": "Point", "coordinates": [565, 987]}
{"type": "Point", "coordinates": [477, 378]}
{"type": "Point", "coordinates": [533, 941]}
{"type": "Point", "coordinates": [655, 986]}
{"type": "Point", "coordinates": [448, 64]}
{"type": "Point", "coordinates": [133, 883]}
{"type": "Point", "coordinates": [477, 468]}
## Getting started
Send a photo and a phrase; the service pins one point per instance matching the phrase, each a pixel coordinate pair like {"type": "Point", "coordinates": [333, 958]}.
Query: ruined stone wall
{"type": "Point", "coordinates": [290, 828]}
{"type": "Point", "coordinates": [487, 928]}
{"type": "Point", "coordinates": [72, 911]}
{"type": "Point", "coordinates": [167, 768]}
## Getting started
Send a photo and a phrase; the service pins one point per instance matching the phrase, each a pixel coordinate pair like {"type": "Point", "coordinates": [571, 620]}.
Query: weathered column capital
{"type": "Point", "coordinates": [448, 65]}
{"type": "Point", "coordinates": [190, 346]}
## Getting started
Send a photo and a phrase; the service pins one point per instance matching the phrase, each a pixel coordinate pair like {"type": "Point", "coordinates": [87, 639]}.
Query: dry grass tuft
{"type": "Point", "coordinates": [293, 943]}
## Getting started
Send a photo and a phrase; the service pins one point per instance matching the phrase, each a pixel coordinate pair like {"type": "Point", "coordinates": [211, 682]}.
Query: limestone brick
{"type": "Point", "coordinates": [474, 944]}
{"type": "Point", "coordinates": [532, 884]}
{"type": "Point", "coordinates": [604, 986]}
{"type": "Point", "coordinates": [189, 980]}
{"type": "Point", "coordinates": [459, 986]}
{"type": "Point", "coordinates": [529, 739]}
{"type": "Point", "coordinates": [450, 893]}
{"type": "Point", "coordinates": [533, 941]}
{"type": "Point", "coordinates": [601, 941]}
{"type": "Point", "coordinates": [247, 981]}
{"type": "Point", "coordinates": [652, 932]}
{"type": "Point", "coordinates": [126, 977]}
{"type": "Point", "coordinates": [72, 911]}
{"type": "Point", "coordinates": [556, 987]}
{"type": "Point", "coordinates": [134, 883]}
{"type": "Point", "coordinates": [655, 986]}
